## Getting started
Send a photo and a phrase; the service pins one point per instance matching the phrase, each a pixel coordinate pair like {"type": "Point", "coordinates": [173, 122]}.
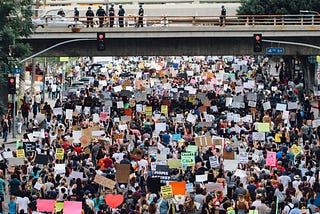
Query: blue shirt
{"type": "Point", "coordinates": [12, 207]}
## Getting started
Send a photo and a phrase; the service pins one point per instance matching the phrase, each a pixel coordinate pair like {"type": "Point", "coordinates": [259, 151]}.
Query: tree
{"type": "Point", "coordinates": [256, 7]}
{"type": "Point", "coordinates": [15, 23]}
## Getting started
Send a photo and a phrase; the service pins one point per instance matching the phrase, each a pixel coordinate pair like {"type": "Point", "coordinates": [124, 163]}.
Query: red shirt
{"type": "Point", "coordinates": [108, 163]}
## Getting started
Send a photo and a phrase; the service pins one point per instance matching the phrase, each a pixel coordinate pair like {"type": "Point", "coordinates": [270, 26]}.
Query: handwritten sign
{"type": "Point", "coordinates": [271, 159]}
{"type": "Point", "coordinates": [187, 159]}
{"type": "Point", "coordinates": [166, 192]}
{"type": "Point", "coordinates": [20, 153]}
{"type": "Point", "coordinates": [106, 182]}
{"type": "Point", "coordinates": [59, 153]}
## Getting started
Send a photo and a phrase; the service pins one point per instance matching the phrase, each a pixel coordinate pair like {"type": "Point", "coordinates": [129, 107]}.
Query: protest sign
{"type": "Point", "coordinates": [174, 163]}
{"type": "Point", "coordinates": [243, 157]}
{"type": "Point", "coordinates": [292, 105]}
{"type": "Point", "coordinates": [296, 149]}
{"type": "Point", "coordinates": [178, 187]}
{"type": "Point", "coordinates": [205, 140]}
{"type": "Point", "coordinates": [271, 159]}
{"type": "Point", "coordinates": [212, 187]}
{"type": "Point", "coordinates": [45, 205]}
{"type": "Point", "coordinates": [204, 124]}
{"type": "Point", "coordinates": [7, 155]}
{"type": "Point", "coordinates": [266, 105]}
{"type": "Point", "coordinates": [75, 175]}
{"type": "Point", "coordinates": [59, 206]}
{"type": "Point", "coordinates": [60, 168]}
{"type": "Point", "coordinates": [189, 187]}
{"type": "Point", "coordinates": [106, 182]}
{"type": "Point", "coordinates": [69, 113]}
{"type": "Point", "coordinates": [153, 184]}
{"type": "Point", "coordinates": [15, 161]}
{"type": "Point", "coordinates": [41, 159]}
{"type": "Point", "coordinates": [20, 153]}
{"type": "Point", "coordinates": [192, 148]}
{"type": "Point", "coordinates": [187, 159]}
{"type": "Point", "coordinates": [122, 173]}
{"type": "Point", "coordinates": [214, 162]}
{"type": "Point", "coordinates": [263, 127]}
{"type": "Point", "coordinates": [59, 153]}
{"type": "Point", "coordinates": [281, 107]}
{"type": "Point", "coordinates": [258, 136]}
{"type": "Point", "coordinates": [30, 146]}
{"type": "Point", "coordinates": [201, 178]}
{"type": "Point", "coordinates": [176, 137]}
{"type": "Point", "coordinates": [166, 192]}
{"type": "Point", "coordinates": [164, 109]}
{"type": "Point", "coordinates": [74, 207]}
{"type": "Point", "coordinates": [57, 111]}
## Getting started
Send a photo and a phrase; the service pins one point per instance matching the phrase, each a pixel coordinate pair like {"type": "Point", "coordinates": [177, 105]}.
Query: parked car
{"type": "Point", "coordinates": [51, 20]}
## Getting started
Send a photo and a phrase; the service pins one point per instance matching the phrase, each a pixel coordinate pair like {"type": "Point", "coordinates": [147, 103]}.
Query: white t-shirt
{"type": "Point", "coordinates": [23, 203]}
{"type": "Point", "coordinates": [143, 163]}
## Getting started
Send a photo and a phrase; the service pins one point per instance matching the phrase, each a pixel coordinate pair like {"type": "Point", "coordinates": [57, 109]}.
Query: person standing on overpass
{"type": "Point", "coordinates": [223, 16]}
{"type": "Point", "coordinates": [111, 15]}
{"type": "Point", "coordinates": [140, 13]}
{"type": "Point", "coordinates": [76, 14]}
{"type": "Point", "coordinates": [101, 13]}
{"type": "Point", "coordinates": [121, 14]}
{"type": "Point", "coordinates": [90, 16]}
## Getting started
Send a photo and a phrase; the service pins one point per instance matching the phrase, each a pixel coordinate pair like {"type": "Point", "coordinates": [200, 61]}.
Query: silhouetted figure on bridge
{"type": "Point", "coordinates": [121, 14]}
{"type": "Point", "coordinates": [140, 14]}
{"type": "Point", "coordinates": [76, 14]}
{"type": "Point", "coordinates": [111, 15]}
{"type": "Point", "coordinates": [90, 16]}
{"type": "Point", "coordinates": [223, 16]}
{"type": "Point", "coordinates": [101, 13]}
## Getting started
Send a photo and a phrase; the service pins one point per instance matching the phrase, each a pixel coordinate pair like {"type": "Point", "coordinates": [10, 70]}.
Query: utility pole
{"type": "Point", "coordinates": [44, 80]}
{"type": "Point", "coordinates": [33, 71]}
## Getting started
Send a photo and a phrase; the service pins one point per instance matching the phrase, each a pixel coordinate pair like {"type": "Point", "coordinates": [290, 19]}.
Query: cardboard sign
{"type": "Point", "coordinates": [281, 107]}
{"type": "Point", "coordinates": [59, 153]}
{"type": "Point", "coordinates": [164, 109]}
{"type": "Point", "coordinates": [174, 163]}
{"type": "Point", "coordinates": [75, 175]}
{"type": "Point", "coordinates": [122, 173]}
{"type": "Point", "coordinates": [20, 153]}
{"type": "Point", "coordinates": [204, 124]}
{"type": "Point", "coordinates": [205, 140]}
{"type": "Point", "coordinates": [213, 187]}
{"type": "Point", "coordinates": [166, 192]}
{"type": "Point", "coordinates": [41, 159]}
{"type": "Point", "coordinates": [106, 182]}
{"type": "Point", "coordinates": [178, 187]}
{"type": "Point", "coordinates": [187, 159]}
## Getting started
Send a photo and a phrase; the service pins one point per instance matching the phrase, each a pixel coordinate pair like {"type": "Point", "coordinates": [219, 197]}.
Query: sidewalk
{"type": "Point", "coordinates": [40, 117]}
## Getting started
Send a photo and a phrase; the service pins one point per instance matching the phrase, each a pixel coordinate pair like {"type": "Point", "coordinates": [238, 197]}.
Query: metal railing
{"type": "Point", "coordinates": [240, 20]}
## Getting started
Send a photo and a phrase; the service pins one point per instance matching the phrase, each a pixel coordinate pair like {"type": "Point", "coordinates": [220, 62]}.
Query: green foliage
{"type": "Point", "coordinates": [15, 23]}
{"type": "Point", "coordinates": [259, 7]}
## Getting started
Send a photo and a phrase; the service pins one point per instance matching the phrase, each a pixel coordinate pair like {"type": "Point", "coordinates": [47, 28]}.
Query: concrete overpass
{"type": "Point", "coordinates": [178, 39]}
{"type": "Point", "coordinates": [193, 41]}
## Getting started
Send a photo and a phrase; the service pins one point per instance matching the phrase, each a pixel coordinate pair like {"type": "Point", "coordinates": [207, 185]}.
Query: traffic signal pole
{"type": "Point", "coordinates": [13, 96]}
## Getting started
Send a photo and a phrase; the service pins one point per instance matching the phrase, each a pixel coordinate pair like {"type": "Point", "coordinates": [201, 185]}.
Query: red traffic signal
{"type": "Point", "coordinates": [101, 41]}
{"type": "Point", "coordinates": [11, 85]}
{"type": "Point", "coordinates": [257, 42]}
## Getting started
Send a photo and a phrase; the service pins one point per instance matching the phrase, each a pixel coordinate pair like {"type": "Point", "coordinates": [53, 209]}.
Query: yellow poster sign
{"type": "Point", "coordinates": [166, 192]}
{"type": "Point", "coordinates": [164, 109]}
{"type": "Point", "coordinates": [64, 59]}
{"type": "Point", "coordinates": [149, 111]}
{"type": "Point", "coordinates": [59, 153]}
{"type": "Point", "coordinates": [20, 153]}
{"type": "Point", "coordinates": [263, 127]}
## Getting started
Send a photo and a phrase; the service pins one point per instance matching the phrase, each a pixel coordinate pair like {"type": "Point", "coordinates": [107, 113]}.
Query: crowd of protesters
{"type": "Point", "coordinates": [230, 94]}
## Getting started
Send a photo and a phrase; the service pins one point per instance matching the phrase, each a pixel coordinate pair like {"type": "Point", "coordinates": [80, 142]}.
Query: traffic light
{"type": "Point", "coordinates": [257, 42]}
{"type": "Point", "coordinates": [101, 41]}
{"type": "Point", "coordinates": [11, 85]}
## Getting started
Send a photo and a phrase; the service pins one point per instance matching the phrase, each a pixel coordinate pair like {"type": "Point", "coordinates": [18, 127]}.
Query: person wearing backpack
{"type": "Point", "coordinates": [288, 207]}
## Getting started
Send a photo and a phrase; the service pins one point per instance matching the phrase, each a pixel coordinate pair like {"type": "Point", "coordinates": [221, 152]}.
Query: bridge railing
{"type": "Point", "coordinates": [240, 20]}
